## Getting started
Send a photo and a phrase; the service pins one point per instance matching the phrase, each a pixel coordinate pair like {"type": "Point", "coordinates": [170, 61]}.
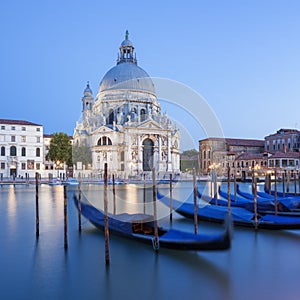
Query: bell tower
{"type": "Point", "coordinates": [87, 99]}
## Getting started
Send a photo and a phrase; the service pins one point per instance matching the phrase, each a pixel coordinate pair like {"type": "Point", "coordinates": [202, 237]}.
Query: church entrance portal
{"type": "Point", "coordinates": [148, 155]}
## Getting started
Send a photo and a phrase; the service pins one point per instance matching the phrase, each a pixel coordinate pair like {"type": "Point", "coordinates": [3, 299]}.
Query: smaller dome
{"type": "Point", "coordinates": [88, 91]}
{"type": "Point", "coordinates": [126, 43]}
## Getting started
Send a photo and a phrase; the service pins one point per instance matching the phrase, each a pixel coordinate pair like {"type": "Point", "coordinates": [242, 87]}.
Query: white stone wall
{"type": "Point", "coordinates": [29, 137]}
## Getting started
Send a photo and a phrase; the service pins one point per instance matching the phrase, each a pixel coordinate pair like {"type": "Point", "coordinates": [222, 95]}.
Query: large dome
{"type": "Point", "coordinates": [127, 76]}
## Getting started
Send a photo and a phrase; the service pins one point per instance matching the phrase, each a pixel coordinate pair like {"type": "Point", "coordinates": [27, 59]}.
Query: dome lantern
{"type": "Point", "coordinates": [126, 51]}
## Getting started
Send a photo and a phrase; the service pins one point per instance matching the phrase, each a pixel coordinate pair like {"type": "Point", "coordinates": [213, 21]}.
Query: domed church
{"type": "Point", "coordinates": [124, 127]}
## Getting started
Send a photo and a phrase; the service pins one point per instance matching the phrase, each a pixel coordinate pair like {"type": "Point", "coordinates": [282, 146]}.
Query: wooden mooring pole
{"type": "Point", "coordinates": [106, 231]}
{"type": "Point", "coordinates": [275, 192]}
{"type": "Point", "coordinates": [114, 193]}
{"type": "Point", "coordinates": [228, 189]}
{"type": "Point", "coordinates": [79, 203]}
{"type": "Point", "coordinates": [283, 183]}
{"type": "Point", "coordinates": [295, 185]}
{"type": "Point", "coordinates": [144, 194]}
{"type": "Point", "coordinates": [288, 181]}
{"type": "Point", "coordinates": [195, 202]}
{"type": "Point", "coordinates": [37, 218]}
{"type": "Point", "coordinates": [234, 185]}
{"type": "Point", "coordinates": [156, 242]}
{"type": "Point", "coordinates": [215, 186]}
{"type": "Point", "coordinates": [171, 197]}
{"type": "Point", "coordinates": [65, 218]}
{"type": "Point", "coordinates": [255, 201]}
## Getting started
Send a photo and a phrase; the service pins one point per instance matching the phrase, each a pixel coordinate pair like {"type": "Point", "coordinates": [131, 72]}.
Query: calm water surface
{"type": "Point", "coordinates": [263, 265]}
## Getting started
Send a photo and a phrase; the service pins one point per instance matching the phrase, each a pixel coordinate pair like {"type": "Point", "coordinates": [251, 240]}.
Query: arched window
{"type": "Point", "coordinates": [2, 151]}
{"type": "Point", "coordinates": [111, 116]}
{"type": "Point", "coordinates": [23, 151]}
{"type": "Point", "coordinates": [104, 141]}
{"type": "Point", "coordinates": [13, 151]}
{"type": "Point", "coordinates": [143, 115]}
{"type": "Point", "coordinates": [38, 152]}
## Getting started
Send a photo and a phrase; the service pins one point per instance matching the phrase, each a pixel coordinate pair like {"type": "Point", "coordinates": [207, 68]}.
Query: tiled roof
{"type": "Point", "coordinates": [17, 122]}
{"type": "Point", "coordinates": [238, 142]}
{"type": "Point", "coordinates": [248, 156]}
{"type": "Point", "coordinates": [280, 154]}
{"type": "Point", "coordinates": [284, 131]}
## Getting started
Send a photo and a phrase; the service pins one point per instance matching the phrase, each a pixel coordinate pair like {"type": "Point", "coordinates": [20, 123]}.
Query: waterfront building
{"type": "Point", "coordinates": [21, 146]}
{"type": "Point", "coordinates": [280, 150]}
{"type": "Point", "coordinates": [284, 140]}
{"type": "Point", "coordinates": [123, 125]}
{"type": "Point", "coordinates": [219, 153]}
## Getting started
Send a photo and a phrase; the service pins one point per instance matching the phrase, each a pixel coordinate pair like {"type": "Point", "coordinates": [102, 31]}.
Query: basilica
{"type": "Point", "coordinates": [123, 125]}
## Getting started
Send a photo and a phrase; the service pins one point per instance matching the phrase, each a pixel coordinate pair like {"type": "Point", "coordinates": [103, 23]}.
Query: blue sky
{"type": "Point", "coordinates": [243, 57]}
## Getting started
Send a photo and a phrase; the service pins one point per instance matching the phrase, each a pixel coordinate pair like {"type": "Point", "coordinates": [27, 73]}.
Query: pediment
{"type": "Point", "coordinates": [150, 124]}
{"type": "Point", "coordinates": [103, 129]}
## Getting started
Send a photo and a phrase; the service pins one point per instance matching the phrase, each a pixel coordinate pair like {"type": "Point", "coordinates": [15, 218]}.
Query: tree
{"type": "Point", "coordinates": [60, 150]}
{"type": "Point", "coordinates": [81, 154]}
{"type": "Point", "coordinates": [190, 153]}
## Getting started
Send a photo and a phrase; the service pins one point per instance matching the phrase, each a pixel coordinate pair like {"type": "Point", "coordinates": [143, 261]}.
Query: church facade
{"type": "Point", "coordinates": [123, 125]}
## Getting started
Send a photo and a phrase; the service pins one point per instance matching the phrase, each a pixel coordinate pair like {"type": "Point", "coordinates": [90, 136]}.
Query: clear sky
{"type": "Point", "coordinates": [243, 57]}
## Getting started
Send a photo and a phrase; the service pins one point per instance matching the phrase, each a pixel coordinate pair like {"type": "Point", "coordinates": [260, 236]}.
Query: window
{"type": "Point", "coordinates": [2, 151]}
{"type": "Point", "coordinates": [143, 115]}
{"type": "Point", "coordinates": [23, 139]}
{"type": "Point", "coordinates": [23, 166]}
{"type": "Point", "coordinates": [111, 116]}
{"type": "Point", "coordinates": [30, 164]}
{"type": "Point", "coordinates": [38, 129]}
{"type": "Point", "coordinates": [23, 151]}
{"type": "Point", "coordinates": [13, 151]}
{"type": "Point", "coordinates": [104, 141]}
{"type": "Point", "coordinates": [13, 138]}
{"type": "Point", "coordinates": [2, 166]}
{"type": "Point", "coordinates": [2, 127]}
{"type": "Point", "coordinates": [38, 152]}
{"type": "Point", "coordinates": [38, 139]}
{"type": "Point", "coordinates": [38, 166]}
{"type": "Point", "coordinates": [23, 128]}
{"type": "Point", "coordinates": [13, 127]}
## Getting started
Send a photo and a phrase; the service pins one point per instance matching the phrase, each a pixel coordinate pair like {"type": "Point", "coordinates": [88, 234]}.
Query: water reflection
{"type": "Point", "coordinates": [11, 210]}
{"type": "Point", "coordinates": [259, 265]}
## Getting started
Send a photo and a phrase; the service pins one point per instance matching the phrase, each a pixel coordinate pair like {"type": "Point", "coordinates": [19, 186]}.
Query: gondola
{"type": "Point", "coordinates": [284, 203]}
{"type": "Point", "coordinates": [140, 227]}
{"type": "Point", "coordinates": [264, 206]}
{"type": "Point", "coordinates": [281, 194]}
{"type": "Point", "coordinates": [240, 216]}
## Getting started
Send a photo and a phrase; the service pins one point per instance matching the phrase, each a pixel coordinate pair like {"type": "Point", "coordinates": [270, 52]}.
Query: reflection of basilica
{"type": "Point", "coordinates": [124, 126]}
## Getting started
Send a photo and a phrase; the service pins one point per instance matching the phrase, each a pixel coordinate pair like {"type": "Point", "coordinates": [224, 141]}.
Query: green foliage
{"type": "Point", "coordinates": [190, 153]}
{"type": "Point", "coordinates": [81, 154]}
{"type": "Point", "coordinates": [60, 148]}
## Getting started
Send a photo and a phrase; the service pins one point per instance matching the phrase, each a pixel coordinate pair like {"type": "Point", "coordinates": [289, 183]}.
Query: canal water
{"type": "Point", "coordinates": [260, 265]}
